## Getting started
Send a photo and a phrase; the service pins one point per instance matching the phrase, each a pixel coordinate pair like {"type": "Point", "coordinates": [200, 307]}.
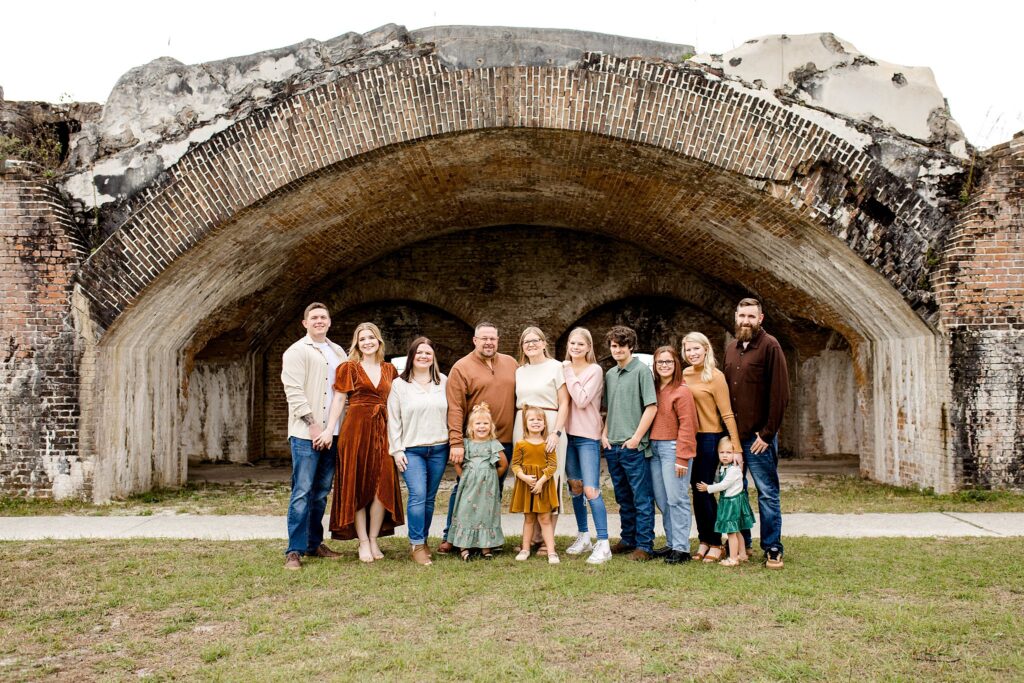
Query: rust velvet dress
{"type": "Point", "coordinates": [365, 468]}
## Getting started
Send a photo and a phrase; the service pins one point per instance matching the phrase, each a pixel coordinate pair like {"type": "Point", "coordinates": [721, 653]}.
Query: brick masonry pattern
{"type": "Point", "coordinates": [980, 290]}
{"type": "Point", "coordinates": [678, 109]}
{"type": "Point", "coordinates": [40, 249]}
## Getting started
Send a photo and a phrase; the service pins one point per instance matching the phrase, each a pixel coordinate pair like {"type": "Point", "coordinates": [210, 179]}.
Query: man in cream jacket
{"type": "Point", "coordinates": [307, 372]}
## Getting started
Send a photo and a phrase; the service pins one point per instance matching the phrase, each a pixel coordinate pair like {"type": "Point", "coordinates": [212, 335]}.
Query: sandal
{"type": "Point", "coordinates": [465, 554]}
{"type": "Point", "coordinates": [701, 552]}
{"type": "Point", "coordinates": [709, 559]}
{"type": "Point", "coordinates": [487, 554]}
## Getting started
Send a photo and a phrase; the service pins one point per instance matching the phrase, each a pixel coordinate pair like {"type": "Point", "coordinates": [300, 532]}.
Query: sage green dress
{"type": "Point", "coordinates": [476, 519]}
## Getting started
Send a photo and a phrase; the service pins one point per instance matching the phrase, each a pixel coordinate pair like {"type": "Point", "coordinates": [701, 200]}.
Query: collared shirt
{"type": "Point", "coordinates": [417, 415]}
{"type": "Point", "coordinates": [627, 392]}
{"type": "Point", "coordinates": [473, 381]}
{"type": "Point", "coordinates": [758, 381]}
{"type": "Point", "coordinates": [306, 376]}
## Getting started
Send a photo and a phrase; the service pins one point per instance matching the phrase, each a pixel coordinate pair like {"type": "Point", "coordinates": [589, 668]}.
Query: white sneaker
{"type": "Point", "coordinates": [602, 553]}
{"type": "Point", "coordinates": [581, 545]}
{"type": "Point", "coordinates": [553, 558]}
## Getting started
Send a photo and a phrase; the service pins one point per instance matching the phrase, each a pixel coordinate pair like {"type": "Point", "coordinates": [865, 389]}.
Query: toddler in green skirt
{"type": "Point", "coordinates": [734, 513]}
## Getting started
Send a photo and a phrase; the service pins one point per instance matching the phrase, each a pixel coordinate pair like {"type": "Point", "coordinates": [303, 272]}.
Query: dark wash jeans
{"type": "Point", "coordinates": [455, 489]}
{"type": "Point", "coordinates": [764, 468]}
{"type": "Point", "coordinates": [312, 476]}
{"type": "Point", "coordinates": [705, 506]}
{"type": "Point", "coordinates": [631, 478]}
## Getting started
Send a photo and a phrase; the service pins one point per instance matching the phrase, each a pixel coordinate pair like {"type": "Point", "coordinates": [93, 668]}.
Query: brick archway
{"type": "Point", "coordinates": [663, 157]}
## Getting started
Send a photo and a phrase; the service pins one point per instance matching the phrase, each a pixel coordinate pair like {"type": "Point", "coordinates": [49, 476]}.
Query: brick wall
{"type": "Point", "coordinates": [676, 108]}
{"type": "Point", "coordinates": [980, 289]}
{"type": "Point", "coordinates": [738, 188]}
{"type": "Point", "coordinates": [562, 270]}
{"type": "Point", "coordinates": [39, 253]}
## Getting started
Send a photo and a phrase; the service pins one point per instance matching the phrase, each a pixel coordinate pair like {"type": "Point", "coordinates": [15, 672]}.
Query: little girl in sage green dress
{"type": "Point", "coordinates": [476, 518]}
{"type": "Point", "coordinates": [734, 513]}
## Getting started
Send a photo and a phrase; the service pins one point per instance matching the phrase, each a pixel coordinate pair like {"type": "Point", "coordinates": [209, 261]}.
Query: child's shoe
{"type": "Point", "coordinates": [523, 555]}
{"type": "Point", "coordinates": [602, 553]}
{"type": "Point", "coordinates": [581, 545]}
{"type": "Point", "coordinates": [553, 558]}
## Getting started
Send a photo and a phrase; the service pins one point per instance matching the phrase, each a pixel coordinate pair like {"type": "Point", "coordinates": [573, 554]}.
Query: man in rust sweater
{"type": "Point", "coordinates": [481, 376]}
{"type": "Point", "coordinates": [755, 369]}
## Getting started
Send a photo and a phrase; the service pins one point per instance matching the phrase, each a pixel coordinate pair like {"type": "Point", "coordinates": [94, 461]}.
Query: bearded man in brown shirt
{"type": "Point", "coordinates": [758, 378]}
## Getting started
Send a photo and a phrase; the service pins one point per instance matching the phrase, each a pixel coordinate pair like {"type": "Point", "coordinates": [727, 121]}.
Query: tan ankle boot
{"type": "Point", "coordinates": [420, 554]}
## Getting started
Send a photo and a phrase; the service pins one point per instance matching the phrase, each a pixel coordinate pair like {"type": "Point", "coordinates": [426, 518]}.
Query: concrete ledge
{"type": "Point", "coordinates": [255, 527]}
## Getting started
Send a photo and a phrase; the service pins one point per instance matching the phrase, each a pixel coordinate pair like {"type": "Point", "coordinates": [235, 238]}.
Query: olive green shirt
{"type": "Point", "coordinates": [627, 392]}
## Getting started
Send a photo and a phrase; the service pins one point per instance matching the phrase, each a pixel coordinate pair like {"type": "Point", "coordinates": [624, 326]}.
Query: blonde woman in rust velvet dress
{"type": "Point", "coordinates": [367, 500]}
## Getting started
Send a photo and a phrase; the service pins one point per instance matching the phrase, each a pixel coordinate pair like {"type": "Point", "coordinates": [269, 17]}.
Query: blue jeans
{"type": "Point", "coordinates": [764, 469]}
{"type": "Point", "coordinates": [422, 477]}
{"type": "Point", "coordinates": [631, 478]}
{"type": "Point", "coordinates": [312, 476]}
{"type": "Point", "coordinates": [583, 463]}
{"type": "Point", "coordinates": [455, 489]}
{"type": "Point", "coordinates": [672, 494]}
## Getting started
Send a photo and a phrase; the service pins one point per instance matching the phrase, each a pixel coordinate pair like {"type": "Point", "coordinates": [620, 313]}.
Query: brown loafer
{"type": "Point", "coordinates": [621, 548]}
{"type": "Point", "coordinates": [292, 561]}
{"type": "Point", "coordinates": [639, 555]}
{"type": "Point", "coordinates": [326, 553]}
{"type": "Point", "coordinates": [420, 554]}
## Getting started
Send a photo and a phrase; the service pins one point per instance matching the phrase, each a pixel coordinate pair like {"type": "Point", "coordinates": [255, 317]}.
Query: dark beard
{"type": "Point", "coordinates": [745, 334]}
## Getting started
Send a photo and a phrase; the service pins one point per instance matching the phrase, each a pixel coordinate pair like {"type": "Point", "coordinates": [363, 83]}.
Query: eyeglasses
{"type": "Point", "coordinates": [532, 342]}
{"type": "Point", "coordinates": [665, 362]}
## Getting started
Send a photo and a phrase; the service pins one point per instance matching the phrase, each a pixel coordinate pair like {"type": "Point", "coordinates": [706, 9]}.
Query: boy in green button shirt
{"type": "Point", "coordinates": [632, 402]}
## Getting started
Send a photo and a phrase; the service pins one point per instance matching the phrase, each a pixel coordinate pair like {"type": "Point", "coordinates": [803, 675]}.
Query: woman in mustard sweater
{"type": "Point", "coordinates": [715, 419]}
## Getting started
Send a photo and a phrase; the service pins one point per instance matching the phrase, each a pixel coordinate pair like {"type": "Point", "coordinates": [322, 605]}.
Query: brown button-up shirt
{"type": "Point", "coordinates": [758, 385]}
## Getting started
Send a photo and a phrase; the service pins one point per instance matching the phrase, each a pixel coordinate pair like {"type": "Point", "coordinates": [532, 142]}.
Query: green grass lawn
{"type": "Point", "coordinates": [812, 494]}
{"type": "Point", "coordinates": [841, 610]}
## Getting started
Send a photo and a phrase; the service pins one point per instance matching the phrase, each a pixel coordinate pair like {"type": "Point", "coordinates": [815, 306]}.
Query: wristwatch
{"type": "Point", "coordinates": [558, 433]}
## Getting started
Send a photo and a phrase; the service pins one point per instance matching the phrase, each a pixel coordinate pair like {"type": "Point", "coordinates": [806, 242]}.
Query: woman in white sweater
{"type": "Point", "coordinates": [418, 438]}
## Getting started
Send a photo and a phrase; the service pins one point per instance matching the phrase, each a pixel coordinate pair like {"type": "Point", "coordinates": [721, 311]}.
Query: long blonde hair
{"type": "Point", "coordinates": [709, 355]}
{"type": "Point", "coordinates": [355, 354]}
{"type": "Point", "coordinates": [543, 338]}
{"type": "Point", "coordinates": [481, 409]}
{"type": "Point", "coordinates": [591, 357]}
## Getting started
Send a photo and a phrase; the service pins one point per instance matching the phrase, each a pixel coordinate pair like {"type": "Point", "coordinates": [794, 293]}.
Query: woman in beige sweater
{"type": "Point", "coordinates": [715, 419]}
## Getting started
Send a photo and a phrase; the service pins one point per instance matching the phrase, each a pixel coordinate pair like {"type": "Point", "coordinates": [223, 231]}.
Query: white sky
{"type": "Point", "coordinates": [77, 50]}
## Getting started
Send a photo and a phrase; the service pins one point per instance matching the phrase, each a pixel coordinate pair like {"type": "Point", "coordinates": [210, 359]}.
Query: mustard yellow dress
{"type": "Point", "coordinates": [531, 458]}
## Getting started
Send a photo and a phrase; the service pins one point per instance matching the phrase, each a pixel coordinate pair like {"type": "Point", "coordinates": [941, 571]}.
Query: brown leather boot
{"type": "Point", "coordinates": [326, 553]}
{"type": "Point", "coordinates": [420, 554]}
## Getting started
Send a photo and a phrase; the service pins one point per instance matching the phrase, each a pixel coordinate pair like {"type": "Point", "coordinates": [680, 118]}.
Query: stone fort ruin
{"type": "Point", "coordinates": [153, 275]}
